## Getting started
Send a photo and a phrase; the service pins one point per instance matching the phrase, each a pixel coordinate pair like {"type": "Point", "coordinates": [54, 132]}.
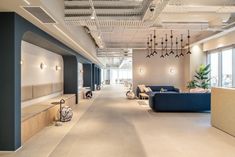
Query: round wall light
{"type": "Point", "coordinates": [57, 68]}
{"type": "Point", "coordinates": [43, 66]}
{"type": "Point", "coordinates": [172, 71]}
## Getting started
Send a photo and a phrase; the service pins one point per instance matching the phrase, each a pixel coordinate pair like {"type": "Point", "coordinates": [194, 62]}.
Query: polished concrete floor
{"type": "Point", "coordinates": [112, 126]}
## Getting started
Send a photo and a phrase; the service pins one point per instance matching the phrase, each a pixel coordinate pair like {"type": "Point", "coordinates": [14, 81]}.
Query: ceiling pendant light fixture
{"type": "Point", "coordinates": [189, 52]}
{"type": "Point", "coordinates": [155, 43]}
{"type": "Point", "coordinates": [162, 56]}
{"type": "Point", "coordinates": [166, 40]}
{"type": "Point", "coordinates": [180, 49]}
{"type": "Point", "coordinates": [151, 45]}
{"type": "Point", "coordinates": [171, 52]}
{"type": "Point", "coordinates": [148, 56]}
{"type": "Point", "coordinates": [176, 44]}
{"type": "Point", "coordinates": [181, 46]}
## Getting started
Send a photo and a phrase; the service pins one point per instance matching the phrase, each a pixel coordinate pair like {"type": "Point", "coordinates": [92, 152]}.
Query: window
{"type": "Point", "coordinates": [214, 69]}
{"type": "Point", "coordinates": [222, 63]}
{"type": "Point", "coordinates": [227, 68]}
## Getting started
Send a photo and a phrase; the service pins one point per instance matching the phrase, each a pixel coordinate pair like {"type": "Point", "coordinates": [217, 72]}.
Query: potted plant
{"type": "Point", "coordinates": [191, 84]}
{"type": "Point", "coordinates": [202, 79]}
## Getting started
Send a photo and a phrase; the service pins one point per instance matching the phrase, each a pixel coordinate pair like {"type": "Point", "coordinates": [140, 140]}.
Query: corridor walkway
{"type": "Point", "coordinates": [112, 126]}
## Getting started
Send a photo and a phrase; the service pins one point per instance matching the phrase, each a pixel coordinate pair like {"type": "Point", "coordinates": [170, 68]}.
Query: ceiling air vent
{"type": "Point", "coordinates": [40, 14]}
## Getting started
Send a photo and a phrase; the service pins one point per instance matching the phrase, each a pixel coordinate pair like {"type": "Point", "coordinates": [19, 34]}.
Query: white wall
{"type": "Point", "coordinates": [156, 71]}
{"type": "Point", "coordinates": [31, 74]}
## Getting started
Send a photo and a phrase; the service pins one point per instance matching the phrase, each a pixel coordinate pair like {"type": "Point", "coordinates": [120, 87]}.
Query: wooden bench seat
{"type": "Point", "coordinates": [35, 117]}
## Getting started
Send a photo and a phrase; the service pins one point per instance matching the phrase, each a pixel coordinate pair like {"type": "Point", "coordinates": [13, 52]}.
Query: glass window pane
{"type": "Point", "coordinates": [227, 68]}
{"type": "Point", "coordinates": [214, 69]}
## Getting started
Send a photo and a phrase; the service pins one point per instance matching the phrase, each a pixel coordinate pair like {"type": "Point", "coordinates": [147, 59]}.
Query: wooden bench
{"type": "Point", "coordinates": [35, 117]}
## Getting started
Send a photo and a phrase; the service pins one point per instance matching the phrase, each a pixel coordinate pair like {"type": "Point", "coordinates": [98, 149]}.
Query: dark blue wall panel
{"type": "Point", "coordinates": [10, 112]}
{"type": "Point", "coordinates": [87, 75]}
{"type": "Point", "coordinates": [71, 75]}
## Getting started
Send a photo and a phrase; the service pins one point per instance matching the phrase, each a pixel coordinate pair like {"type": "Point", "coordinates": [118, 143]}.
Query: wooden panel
{"type": "Point", "coordinates": [33, 125]}
{"type": "Point", "coordinates": [223, 109]}
{"type": "Point", "coordinates": [42, 90]}
{"type": "Point", "coordinates": [26, 93]}
{"type": "Point", "coordinates": [57, 87]}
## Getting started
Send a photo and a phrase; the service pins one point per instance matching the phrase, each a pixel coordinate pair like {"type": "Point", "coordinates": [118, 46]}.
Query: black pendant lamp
{"type": "Point", "coordinates": [151, 45]}
{"type": "Point", "coordinates": [148, 55]}
{"type": "Point", "coordinates": [171, 52]}
{"type": "Point", "coordinates": [188, 52]}
{"type": "Point", "coordinates": [162, 56]}
{"type": "Point", "coordinates": [181, 46]}
{"type": "Point", "coordinates": [176, 46]}
{"type": "Point", "coordinates": [166, 40]}
{"type": "Point", "coordinates": [155, 43]}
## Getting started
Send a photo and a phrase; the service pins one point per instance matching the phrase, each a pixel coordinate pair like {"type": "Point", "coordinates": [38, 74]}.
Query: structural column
{"type": "Point", "coordinates": [71, 75]}
{"type": "Point", "coordinates": [87, 75]}
{"type": "Point", "coordinates": [10, 109]}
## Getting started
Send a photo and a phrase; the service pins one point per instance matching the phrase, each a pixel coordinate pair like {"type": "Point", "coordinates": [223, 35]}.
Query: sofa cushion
{"type": "Point", "coordinates": [147, 90]}
{"type": "Point", "coordinates": [141, 87]}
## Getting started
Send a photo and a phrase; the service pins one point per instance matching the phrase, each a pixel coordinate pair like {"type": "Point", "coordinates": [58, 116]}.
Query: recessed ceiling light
{"type": "Point", "coordinates": [27, 2]}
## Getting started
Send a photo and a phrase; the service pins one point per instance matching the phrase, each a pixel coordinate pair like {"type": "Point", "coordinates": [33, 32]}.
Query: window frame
{"type": "Point", "coordinates": [220, 51]}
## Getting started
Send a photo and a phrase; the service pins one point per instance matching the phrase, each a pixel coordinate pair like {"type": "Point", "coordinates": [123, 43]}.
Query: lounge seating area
{"type": "Point", "coordinates": [169, 99]}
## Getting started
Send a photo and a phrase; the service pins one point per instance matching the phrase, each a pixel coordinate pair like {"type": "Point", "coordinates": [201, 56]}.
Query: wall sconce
{"type": "Point", "coordinates": [57, 68]}
{"type": "Point", "coordinates": [81, 71]}
{"type": "Point", "coordinates": [172, 71]}
{"type": "Point", "coordinates": [141, 71]}
{"type": "Point", "coordinates": [43, 66]}
{"type": "Point", "coordinates": [21, 62]}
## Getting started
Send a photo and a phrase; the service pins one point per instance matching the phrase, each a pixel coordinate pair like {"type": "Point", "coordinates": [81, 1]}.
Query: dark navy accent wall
{"type": "Point", "coordinates": [10, 115]}
{"type": "Point", "coordinates": [13, 28]}
{"type": "Point", "coordinates": [71, 75]}
{"type": "Point", "coordinates": [96, 80]}
{"type": "Point", "coordinates": [87, 75]}
{"type": "Point", "coordinates": [99, 76]}
{"type": "Point", "coordinates": [93, 77]}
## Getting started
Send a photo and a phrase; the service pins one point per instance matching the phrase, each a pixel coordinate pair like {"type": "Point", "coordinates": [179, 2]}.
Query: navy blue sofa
{"type": "Point", "coordinates": [156, 89]}
{"type": "Point", "coordinates": [180, 102]}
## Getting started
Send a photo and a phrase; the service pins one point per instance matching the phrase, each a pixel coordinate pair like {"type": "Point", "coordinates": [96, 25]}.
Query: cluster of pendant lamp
{"type": "Point", "coordinates": [176, 46]}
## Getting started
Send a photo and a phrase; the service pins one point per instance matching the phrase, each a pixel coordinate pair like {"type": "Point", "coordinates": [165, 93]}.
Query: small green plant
{"type": "Point", "coordinates": [202, 79]}
{"type": "Point", "coordinates": [191, 84]}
